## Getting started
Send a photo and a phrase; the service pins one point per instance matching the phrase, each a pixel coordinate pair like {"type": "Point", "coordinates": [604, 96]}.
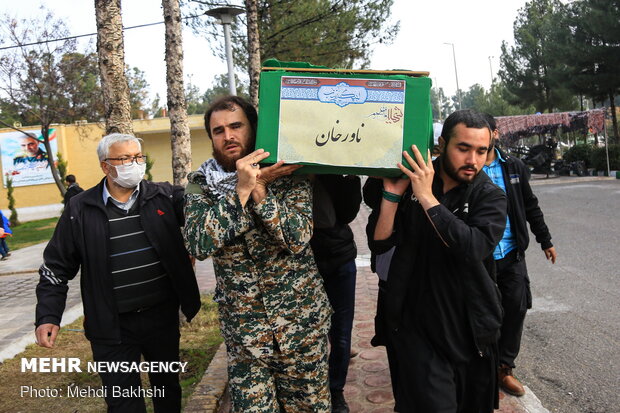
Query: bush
{"type": "Point", "coordinates": [598, 158]}
{"type": "Point", "coordinates": [13, 220]}
{"type": "Point", "coordinates": [580, 152]}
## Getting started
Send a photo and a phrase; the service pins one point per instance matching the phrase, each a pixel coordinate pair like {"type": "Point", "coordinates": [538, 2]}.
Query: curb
{"type": "Point", "coordinates": [20, 344]}
{"type": "Point", "coordinates": [531, 403]}
{"type": "Point", "coordinates": [207, 397]}
{"type": "Point", "coordinates": [19, 272]}
{"type": "Point", "coordinates": [568, 180]}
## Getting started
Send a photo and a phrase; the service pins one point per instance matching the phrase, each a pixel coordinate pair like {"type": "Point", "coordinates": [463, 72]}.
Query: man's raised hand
{"type": "Point", "coordinates": [248, 170]}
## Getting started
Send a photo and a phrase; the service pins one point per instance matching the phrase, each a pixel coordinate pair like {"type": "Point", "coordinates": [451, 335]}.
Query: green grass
{"type": "Point", "coordinates": [31, 233]}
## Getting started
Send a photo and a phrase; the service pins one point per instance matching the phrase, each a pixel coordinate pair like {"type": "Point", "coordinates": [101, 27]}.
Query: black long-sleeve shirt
{"type": "Point", "coordinates": [440, 279]}
{"type": "Point", "coordinates": [336, 203]}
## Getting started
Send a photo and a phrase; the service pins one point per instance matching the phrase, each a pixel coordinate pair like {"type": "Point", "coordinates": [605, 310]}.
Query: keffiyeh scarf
{"type": "Point", "coordinates": [217, 180]}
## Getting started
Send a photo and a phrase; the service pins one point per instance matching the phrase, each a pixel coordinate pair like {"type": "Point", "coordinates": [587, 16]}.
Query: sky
{"type": "Point", "coordinates": [475, 27]}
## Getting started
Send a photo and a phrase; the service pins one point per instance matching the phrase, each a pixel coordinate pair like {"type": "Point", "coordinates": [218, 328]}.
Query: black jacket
{"type": "Point", "coordinates": [441, 277]}
{"type": "Point", "coordinates": [523, 205]}
{"type": "Point", "coordinates": [79, 240]}
{"type": "Point", "coordinates": [337, 201]}
{"type": "Point", "coordinates": [72, 191]}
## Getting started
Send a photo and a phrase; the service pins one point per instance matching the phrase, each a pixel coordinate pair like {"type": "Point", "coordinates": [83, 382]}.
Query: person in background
{"type": "Point", "coordinates": [5, 231]}
{"type": "Point", "coordinates": [72, 188]}
{"type": "Point", "coordinates": [336, 202]}
{"type": "Point", "coordinates": [512, 176]}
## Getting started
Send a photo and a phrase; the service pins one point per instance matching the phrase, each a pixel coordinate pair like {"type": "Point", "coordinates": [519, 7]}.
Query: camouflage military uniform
{"type": "Point", "coordinates": [274, 312]}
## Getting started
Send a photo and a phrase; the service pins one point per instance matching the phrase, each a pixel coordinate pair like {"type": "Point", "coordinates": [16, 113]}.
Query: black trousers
{"type": "Point", "coordinates": [430, 383]}
{"type": "Point", "coordinates": [514, 285]}
{"type": "Point", "coordinates": [340, 288]}
{"type": "Point", "coordinates": [154, 334]}
{"type": "Point", "coordinates": [381, 338]}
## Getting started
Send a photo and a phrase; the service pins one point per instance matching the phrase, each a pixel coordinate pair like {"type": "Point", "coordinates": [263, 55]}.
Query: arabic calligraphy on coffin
{"type": "Point", "coordinates": [342, 94]}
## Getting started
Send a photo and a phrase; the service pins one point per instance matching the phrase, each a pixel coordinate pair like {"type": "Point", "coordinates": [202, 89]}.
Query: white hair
{"type": "Point", "coordinates": [103, 149]}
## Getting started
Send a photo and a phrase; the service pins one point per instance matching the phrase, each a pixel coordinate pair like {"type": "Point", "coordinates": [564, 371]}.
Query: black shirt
{"type": "Point", "coordinates": [440, 280]}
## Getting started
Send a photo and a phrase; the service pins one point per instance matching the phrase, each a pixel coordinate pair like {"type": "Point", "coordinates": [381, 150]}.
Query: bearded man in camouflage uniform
{"type": "Point", "coordinates": [256, 223]}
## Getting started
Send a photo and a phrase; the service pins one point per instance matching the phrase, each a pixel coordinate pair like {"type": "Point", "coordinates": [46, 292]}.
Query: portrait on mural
{"type": "Point", "coordinates": [24, 158]}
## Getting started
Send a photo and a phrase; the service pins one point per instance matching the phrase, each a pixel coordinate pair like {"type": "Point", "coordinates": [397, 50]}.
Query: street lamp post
{"type": "Point", "coordinates": [226, 14]}
{"type": "Point", "coordinates": [491, 68]}
{"type": "Point", "coordinates": [456, 74]}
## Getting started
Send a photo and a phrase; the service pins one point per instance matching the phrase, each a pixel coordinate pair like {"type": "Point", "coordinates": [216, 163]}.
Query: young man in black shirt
{"type": "Point", "coordinates": [442, 314]}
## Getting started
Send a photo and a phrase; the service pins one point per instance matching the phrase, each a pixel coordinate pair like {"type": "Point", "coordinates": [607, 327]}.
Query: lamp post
{"type": "Point", "coordinates": [491, 68]}
{"type": "Point", "coordinates": [456, 74]}
{"type": "Point", "coordinates": [226, 14]}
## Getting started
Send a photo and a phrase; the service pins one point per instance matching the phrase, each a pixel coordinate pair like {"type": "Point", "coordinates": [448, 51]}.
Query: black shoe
{"type": "Point", "coordinates": [339, 404]}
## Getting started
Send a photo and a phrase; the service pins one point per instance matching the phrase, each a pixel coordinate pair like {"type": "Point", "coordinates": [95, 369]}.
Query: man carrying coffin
{"type": "Point", "coordinates": [256, 223]}
{"type": "Point", "coordinates": [442, 313]}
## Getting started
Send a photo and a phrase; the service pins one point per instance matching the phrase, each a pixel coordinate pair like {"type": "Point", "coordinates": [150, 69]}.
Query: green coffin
{"type": "Point", "coordinates": [355, 122]}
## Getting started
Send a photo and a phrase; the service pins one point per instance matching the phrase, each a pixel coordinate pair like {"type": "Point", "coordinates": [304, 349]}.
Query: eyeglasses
{"type": "Point", "coordinates": [140, 160]}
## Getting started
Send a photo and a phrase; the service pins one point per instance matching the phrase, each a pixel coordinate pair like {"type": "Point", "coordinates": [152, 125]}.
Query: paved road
{"type": "Point", "coordinates": [17, 309]}
{"type": "Point", "coordinates": [571, 346]}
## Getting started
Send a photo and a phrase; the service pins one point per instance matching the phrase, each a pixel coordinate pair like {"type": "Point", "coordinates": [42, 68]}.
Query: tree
{"type": "Point", "coordinates": [82, 92]}
{"type": "Point", "coordinates": [38, 76]}
{"type": "Point", "coordinates": [198, 103]}
{"type": "Point", "coordinates": [474, 98]}
{"type": "Point", "coordinates": [590, 44]}
{"type": "Point", "coordinates": [530, 70]}
{"type": "Point", "coordinates": [179, 128]}
{"type": "Point", "coordinates": [334, 33]}
{"type": "Point", "coordinates": [81, 87]}
{"type": "Point", "coordinates": [440, 104]}
{"type": "Point", "coordinates": [497, 100]}
{"type": "Point", "coordinates": [138, 92]}
{"type": "Point", "coordinates": [112, 67]}
{"type": "Point", "coordinates": [195, 99]}
{"type": "Point", "coordinates": [493, 101]}
{"type": "Point", "coordinates": [13, 218]}
{"type": "Point", "coordinates": [10, 112]}
{"type": "Point", "coordinates": [251, 7]}
{"type": "Point", "coordinates": [155, 110]}
{"type": "Point", "coordinates": [220, 87]}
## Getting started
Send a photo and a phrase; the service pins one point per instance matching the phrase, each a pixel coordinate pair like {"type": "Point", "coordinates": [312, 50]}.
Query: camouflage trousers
{"type": "Point", "coordinates": [292, 383]}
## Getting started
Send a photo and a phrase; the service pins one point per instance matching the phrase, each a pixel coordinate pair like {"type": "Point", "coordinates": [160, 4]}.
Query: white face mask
{"type": "Point", "coordinates": [129, 176]}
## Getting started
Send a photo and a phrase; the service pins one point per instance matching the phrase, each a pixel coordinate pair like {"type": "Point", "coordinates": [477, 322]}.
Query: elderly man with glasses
{"type": "Point", "coordinates": [124, 236]}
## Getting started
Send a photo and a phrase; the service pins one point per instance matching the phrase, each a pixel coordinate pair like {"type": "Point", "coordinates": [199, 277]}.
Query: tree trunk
{"type": "Point", "coordinates": [45, 132]}
{"type": "Point", "coordinates": [112, 67]}
{"type": "Point", "coordinates": [177, 107]}
{"type": "Point", "coordinates": [251, 9]}
{"type": "Point", "coordinates": [614, 118]}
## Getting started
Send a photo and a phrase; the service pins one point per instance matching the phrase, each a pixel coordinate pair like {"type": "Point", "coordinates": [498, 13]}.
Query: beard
{"type": "Point", "coordinates": [229, 162]}
{"type": "Point", "coordinates": [453, 172]}
{"type": "Point", "coordinates": [226, 162]}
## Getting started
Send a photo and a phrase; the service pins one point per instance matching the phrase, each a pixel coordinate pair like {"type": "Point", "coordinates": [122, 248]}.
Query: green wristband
{"type": "Point", "coordinates": [389, 196]}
